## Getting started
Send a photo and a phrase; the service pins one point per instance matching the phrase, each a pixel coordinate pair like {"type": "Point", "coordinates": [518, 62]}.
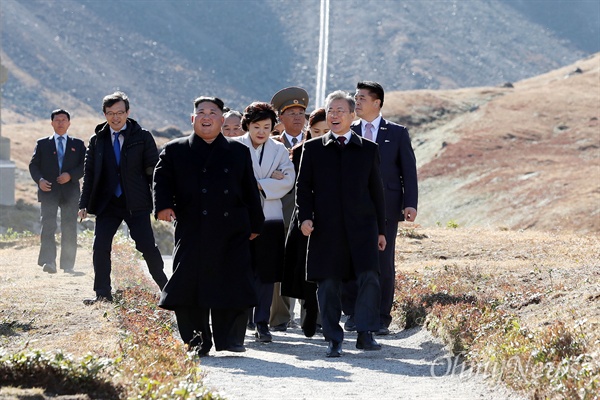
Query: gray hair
{"type": "Point", "coordinates": [340, 95]}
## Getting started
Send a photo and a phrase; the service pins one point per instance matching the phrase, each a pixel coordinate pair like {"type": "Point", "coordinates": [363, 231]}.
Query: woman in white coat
{"type": "Point", "coordinates": [275, 175]}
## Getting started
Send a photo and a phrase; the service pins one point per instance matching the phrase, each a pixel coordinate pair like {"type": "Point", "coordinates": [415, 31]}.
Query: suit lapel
{"type": "Point", "coordinates": [382, 133]}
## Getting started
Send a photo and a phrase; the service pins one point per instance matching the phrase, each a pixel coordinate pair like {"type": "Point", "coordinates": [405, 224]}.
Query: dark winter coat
{"type": "Point", "coordinates": [341, 191]}
{"type": "Point", "coordinates": [138, 159]}
{"type": "Point", "coordinates": [216, 201]}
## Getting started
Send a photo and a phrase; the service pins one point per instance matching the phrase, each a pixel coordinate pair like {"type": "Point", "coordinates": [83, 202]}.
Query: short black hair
{"type": "Point", "coordinates": [112, 99]}
{"type": "Point", "coordinates": [215, 100]}
{"type": "Point", "coordinates": [258, 111]}
{"type": "Point", "coordinates": [60, 111]}
{"type": "Point", "coordinates": [374, 89]}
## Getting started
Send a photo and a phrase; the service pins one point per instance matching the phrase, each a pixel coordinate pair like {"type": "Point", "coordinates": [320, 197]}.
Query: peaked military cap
{"type": "Point", "coordinates": [290, 97]}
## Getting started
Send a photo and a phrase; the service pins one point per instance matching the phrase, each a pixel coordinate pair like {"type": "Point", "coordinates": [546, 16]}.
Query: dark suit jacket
{"type": "Point", "coordinates": [217, 204]}
{"type": "Point", "coordinates": [341, 191]}
{"type": "Point", "coordinates": [398, 168]}
{"type": "Point", "coordinates": [44, 164]}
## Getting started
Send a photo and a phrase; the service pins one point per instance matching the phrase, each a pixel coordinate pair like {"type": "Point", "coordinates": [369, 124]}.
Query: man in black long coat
{"type": "Point", "coordinates": [339, 194]}
{"type": "Point", "coordinates": [205, 183]}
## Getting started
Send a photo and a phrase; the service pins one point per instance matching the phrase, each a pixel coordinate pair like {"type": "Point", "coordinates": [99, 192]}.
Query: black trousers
{"type": "Point", "coordinates": [366, 308]}
{"type": "Point", "coordinates": [141, 232]}
{"type": "Point", "coordinates": [228, 326]}
{"type": "Point", "coordinates": [387, 280]}
{"type": "Point", "coordinates": [68, 227]}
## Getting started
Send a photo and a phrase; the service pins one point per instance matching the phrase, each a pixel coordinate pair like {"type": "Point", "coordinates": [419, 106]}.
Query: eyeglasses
{"type": "Point", "coordinates": [112, 114]}
{"type": "Point", "coordinates": [337, 112]}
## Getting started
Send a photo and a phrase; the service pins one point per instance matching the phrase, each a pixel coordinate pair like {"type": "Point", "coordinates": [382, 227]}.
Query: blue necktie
{"type": "Point", "coordinates": [61, 152]}
{"type": "Point", "coordinates": [117, 148]}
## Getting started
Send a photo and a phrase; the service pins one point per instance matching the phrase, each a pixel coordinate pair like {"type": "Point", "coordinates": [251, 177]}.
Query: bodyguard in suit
{"type": "Point", "coordinates": [399, 175]}
{"type": "Point", "coordinates": [117, 179]}
{"type": "Point", "coordinates": [56, 167]}
{"type": "Point", "coordinates": [205, 183]}
{"type": "Point", "coordinates": [340, 202]}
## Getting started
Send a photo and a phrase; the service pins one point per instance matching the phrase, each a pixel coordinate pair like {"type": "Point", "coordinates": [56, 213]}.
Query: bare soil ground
{"type": "Point", "coordinates": [562, 272]}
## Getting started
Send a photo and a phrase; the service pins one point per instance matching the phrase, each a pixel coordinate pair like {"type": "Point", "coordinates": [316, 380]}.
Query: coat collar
{"type": "Point", "coordinates": [354, 138]}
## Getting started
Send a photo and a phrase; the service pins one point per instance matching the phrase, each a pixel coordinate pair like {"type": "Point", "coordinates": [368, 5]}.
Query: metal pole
{"type": "Point", "coordinates": [323, 53]}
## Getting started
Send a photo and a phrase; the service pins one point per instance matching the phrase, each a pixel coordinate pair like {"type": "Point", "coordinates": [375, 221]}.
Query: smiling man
{"type": "Point", "coordinates": [205, 183]}
{"type": "Point", "coordinates": [340, 202]}
{"type": "Point", "coordinates": [117, 178]}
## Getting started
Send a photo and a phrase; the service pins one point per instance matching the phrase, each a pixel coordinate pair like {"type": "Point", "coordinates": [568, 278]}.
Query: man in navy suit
{"type": "Point", "coordinates": [56, 167]}
{"type": "Point", "coordinates": [399, 175]}
{"type": "Point", "coordinates": [341, 207]}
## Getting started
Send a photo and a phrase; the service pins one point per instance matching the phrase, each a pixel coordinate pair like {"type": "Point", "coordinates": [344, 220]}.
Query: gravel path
{"type": "Point", "coordinates": [411, 365]}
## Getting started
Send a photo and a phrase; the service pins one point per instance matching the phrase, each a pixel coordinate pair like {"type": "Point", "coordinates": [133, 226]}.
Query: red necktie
{"type": "Point", "coordinates": [341, 141]}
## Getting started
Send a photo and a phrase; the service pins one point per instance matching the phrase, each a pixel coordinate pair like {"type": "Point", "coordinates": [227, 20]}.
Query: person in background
{"type": "Point", "coordinates": [232, 125]}
{"type": "Point", "coordinates": [339, 195]}
{"type": "Point", "coordinates": [274, 173]}
{"type": "Point", "coordinates": [399, 175]}
{"type": "Point", "coordinates": [56, 167]}
{"type": "Point", "coordinates": [294, 282]}
{"type": "Point", "coordinates": [215, 218]}
{"type": "Point", "coordinates": [290, 104]}
{"type": "Point", "coordinates": [119, 163]}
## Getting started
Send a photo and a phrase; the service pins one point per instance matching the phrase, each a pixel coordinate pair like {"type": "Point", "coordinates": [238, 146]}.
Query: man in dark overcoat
{"type": "Point", "coordinates": [339, 195]}
{"type": "Point", "coordinates": [399, 175]}
{"type": "Point", "coordinates": [205, 183]}
{"type": "Point", "coordinates": [56, 167]}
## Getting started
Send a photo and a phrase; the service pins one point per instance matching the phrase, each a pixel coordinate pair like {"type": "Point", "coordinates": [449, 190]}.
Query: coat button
{"type": "Point", "coordinates": [226, 170]}
{"type": "Point", "coordinates": [204, 190]}
{"type": "Point", "coordinates": [204, 212]}
{"type": "Point", "coordinates": [203, 169]}
{"type": "Point", "coordinates": [226, 214]}
{"type": "Point", "coordinates": [226, 191]}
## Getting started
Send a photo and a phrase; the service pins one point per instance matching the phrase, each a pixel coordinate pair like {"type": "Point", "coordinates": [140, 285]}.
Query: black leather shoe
{"type": "Point", "coordinates": [310, 322]}
{"type": "Point", "coordinates": [262, 333]}
{"type": "Point", "coordinates": [236, 348]}
{"type": "Point", "coordinates": [365, 341]}
{"type": "Point", "coordinates": [50, 268]}
{"type": "Point", "coordinates": [98, 299]}
{"type": "Point", "coordinates": [251, 326]}
{"type": "Point", "coordinates": [349, 325]}
{"type": "Point", "coordinates": [384, 330]}
{"type": "Point", "coordinates": [334, 349]}
{"type": "Point", "coordinates": [280, 327]}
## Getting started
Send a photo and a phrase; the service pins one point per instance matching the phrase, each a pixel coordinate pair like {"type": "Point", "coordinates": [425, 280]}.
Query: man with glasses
{"type": "Point", "coordinates": [117, 180]}
{"type": "Point", "coordinates": [290, 104]}
{"type": "Point", "coordinates": [341, 207]}
{"type": "Point", "coordinates": [399, 175]}
{"type": "Point", "coordinates": [56, 167]}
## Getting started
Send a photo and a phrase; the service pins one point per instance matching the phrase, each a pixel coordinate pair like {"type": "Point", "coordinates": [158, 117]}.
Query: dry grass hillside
{"type": "Point", "coordinates": [520, 157]}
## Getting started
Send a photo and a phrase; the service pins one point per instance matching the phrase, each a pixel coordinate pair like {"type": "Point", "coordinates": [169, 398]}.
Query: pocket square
{"type": "Point", "coordinates": [386, 141]}
{"type": "Point", "coordinates": [73, 149]}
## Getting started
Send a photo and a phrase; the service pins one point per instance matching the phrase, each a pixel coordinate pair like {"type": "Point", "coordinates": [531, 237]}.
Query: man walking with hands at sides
{"type": "Point", "coordinates": [205, 183]}
{"type": "Point", "coordinates": [56, 167]}
{"type": "Point", "coordinates": [117, 179]}
{"type": "Point", "coordinates": [290, 104]}
{"type": "Point", "coordinates": [399, 175]}
{"type": "Point", "coordinates": [343, 212]}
